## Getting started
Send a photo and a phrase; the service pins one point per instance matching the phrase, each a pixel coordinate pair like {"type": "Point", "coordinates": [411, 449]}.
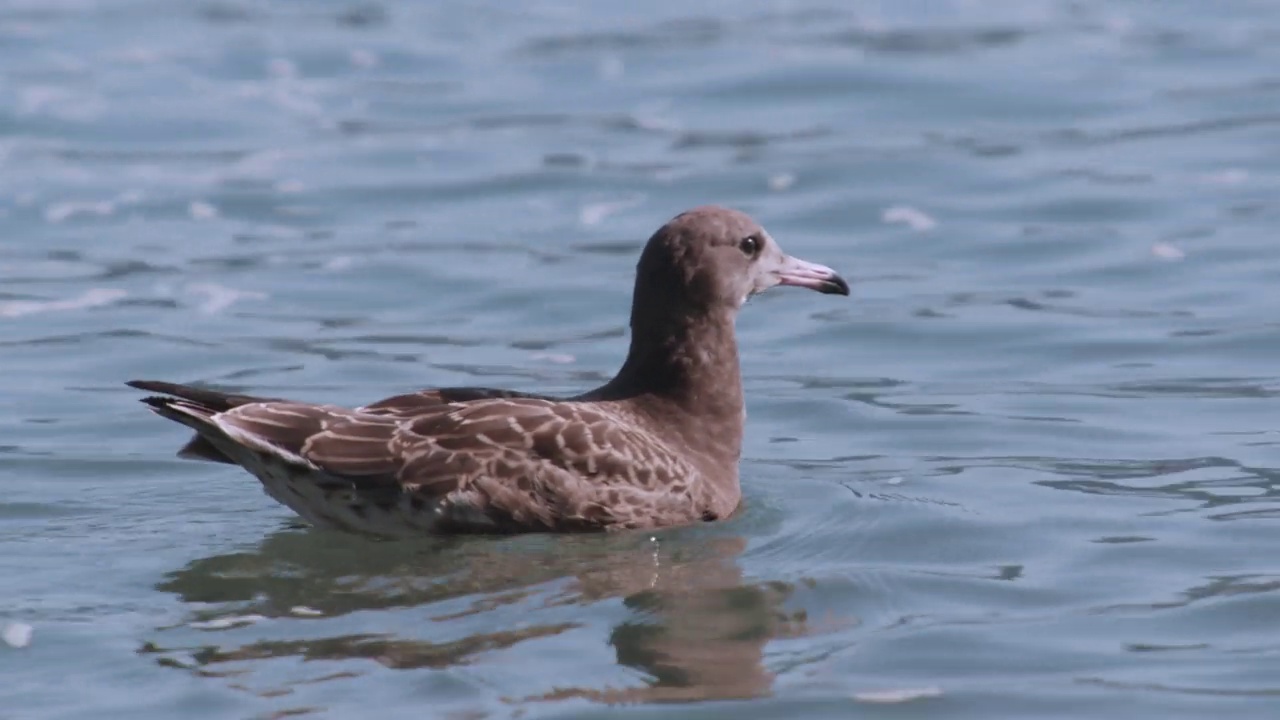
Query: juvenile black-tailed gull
{"type": "Point", "coordinates": [658, 445]}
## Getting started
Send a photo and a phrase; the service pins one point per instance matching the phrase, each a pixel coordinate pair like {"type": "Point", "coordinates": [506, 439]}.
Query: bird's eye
{"type": "Point", "coordinates": [750, 246]}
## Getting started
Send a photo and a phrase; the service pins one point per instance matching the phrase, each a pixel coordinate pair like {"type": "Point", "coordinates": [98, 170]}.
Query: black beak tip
{"type": "Point", "coordinates": [835, 285]}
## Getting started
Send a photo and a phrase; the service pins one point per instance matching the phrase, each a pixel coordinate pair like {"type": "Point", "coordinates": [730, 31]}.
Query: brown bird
{"type": "Point", "coordinates": [658, 445]}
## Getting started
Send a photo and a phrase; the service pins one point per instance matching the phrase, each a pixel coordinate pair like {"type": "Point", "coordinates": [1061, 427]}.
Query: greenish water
{"type": "Point", "coordinates": [1028, 470]}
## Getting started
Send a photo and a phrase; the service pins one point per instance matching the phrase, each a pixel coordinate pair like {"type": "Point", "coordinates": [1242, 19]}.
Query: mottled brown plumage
{"type": "Point", "coordinates": [657, 445]}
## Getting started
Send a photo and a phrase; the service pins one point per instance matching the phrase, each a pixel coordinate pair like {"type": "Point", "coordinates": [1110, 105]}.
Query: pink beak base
{"type": "Point", "coordinates": [801, 273]}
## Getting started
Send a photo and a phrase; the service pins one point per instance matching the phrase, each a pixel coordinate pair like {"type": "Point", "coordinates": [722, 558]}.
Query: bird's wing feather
{"type": "Point", "coordinates": [521, 460]}
{"type": "Point", "coordinates": [415, 403]}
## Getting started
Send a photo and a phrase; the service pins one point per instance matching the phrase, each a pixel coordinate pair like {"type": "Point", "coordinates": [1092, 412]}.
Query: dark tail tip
{"type": "Point", "coordinates": [215, 400]}
{"type": "Point", "coordinates": [150, 385]}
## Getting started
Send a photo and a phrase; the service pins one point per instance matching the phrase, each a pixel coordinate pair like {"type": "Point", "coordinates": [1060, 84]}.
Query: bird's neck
{"type": "Point", "coordinates": [688, 360]}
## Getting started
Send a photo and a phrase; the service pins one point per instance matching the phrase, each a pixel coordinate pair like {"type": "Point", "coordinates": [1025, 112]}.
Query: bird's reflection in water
{"type": "Point", "coordinates": [694, 629]}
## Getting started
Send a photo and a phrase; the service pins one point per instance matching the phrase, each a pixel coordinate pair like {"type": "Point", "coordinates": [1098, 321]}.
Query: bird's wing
{"type": "Point", "coordinates": [519, 461]}
{"type": "Point", "coordinates": [416, 403]}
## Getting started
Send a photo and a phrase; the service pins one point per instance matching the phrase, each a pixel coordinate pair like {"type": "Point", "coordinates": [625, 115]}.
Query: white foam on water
{"type": "Point", "coordinates": [1227, 176]}
{"type": "Point", "coordinates": [339, 263]}
{"type": "Point", "coordinates": [282, 68]}
{"type": "Point", "coordinates": [363, 59]}
{"type": "Point", "coordinates": [899, 695]}
{"type": "Point", "coordinates": [595, 213]}
{"type": "Point", "coordinates": [60, 211]}
{"type": "Point", "coordinates": [224, 623]}
{"type": "Point", "coordinates": [17, 634]}
{"type": "Point", "coordinates": [201, 210]}
{"type": "Point", "coordinates": [557, 358]}
{"type": "Point", "coordinates": [94, 297]}
{"type": "Point", "coordinates": [781, 181]}
{"type": "Point", "coordinates": [913, 218]}
{"type": "Point", "coordinates": [1165, 251]}
{"type": "Point", "coordinates": [220, 297]}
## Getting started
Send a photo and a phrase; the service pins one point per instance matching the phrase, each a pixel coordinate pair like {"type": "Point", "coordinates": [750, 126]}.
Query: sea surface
{"type": "Point", "coordinates": [1030, 469]}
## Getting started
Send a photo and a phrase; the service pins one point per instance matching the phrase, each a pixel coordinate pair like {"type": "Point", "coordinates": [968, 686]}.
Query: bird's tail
{"type": "Point", "coordinates": [195, 408]}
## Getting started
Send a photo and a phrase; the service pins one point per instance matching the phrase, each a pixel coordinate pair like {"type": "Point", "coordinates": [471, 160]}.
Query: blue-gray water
{"type": "Point", "coordinates": [1028, 470]}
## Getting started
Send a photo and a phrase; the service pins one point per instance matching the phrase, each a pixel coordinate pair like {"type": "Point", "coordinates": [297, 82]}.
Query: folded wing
{"type": "Point", "coordinates": [498, 463]}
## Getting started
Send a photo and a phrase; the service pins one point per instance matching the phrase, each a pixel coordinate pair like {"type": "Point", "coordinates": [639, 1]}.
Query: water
{"type": "Point", "coordinates": [1028, 470]}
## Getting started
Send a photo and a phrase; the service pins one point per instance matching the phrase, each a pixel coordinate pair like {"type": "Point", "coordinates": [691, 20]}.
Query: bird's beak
{"type": "Point", "coordinates": [794, 271]}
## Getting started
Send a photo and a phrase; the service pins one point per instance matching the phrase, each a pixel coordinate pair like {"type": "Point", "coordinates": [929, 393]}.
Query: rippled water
{"type": "Point", "coordinates": [1028, 470]}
